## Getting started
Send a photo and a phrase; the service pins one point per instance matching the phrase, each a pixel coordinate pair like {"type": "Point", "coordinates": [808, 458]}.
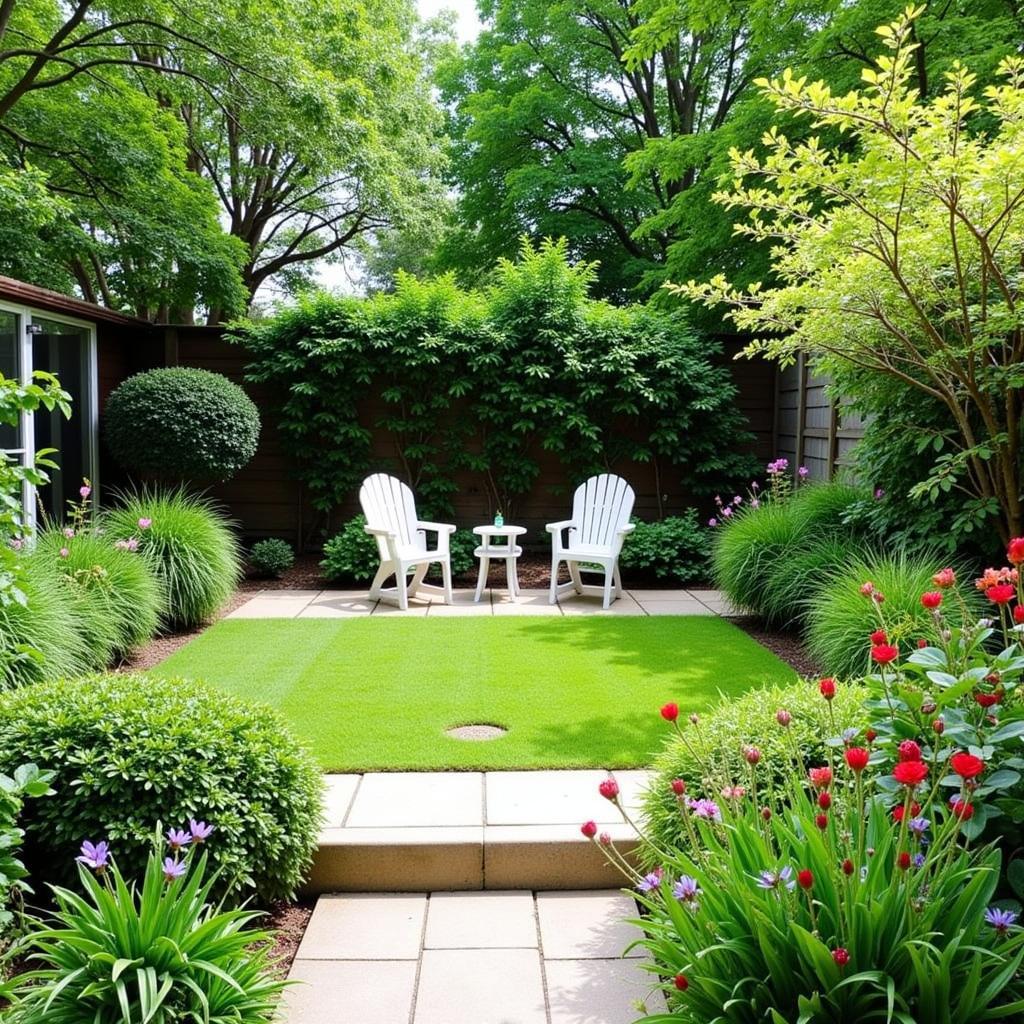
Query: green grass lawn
{"type": "Point", "coordinates": [371, 694]}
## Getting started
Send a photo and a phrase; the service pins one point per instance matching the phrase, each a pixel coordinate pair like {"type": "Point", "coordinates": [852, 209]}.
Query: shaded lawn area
{"type": "Point", "coordinates": [377, 693]}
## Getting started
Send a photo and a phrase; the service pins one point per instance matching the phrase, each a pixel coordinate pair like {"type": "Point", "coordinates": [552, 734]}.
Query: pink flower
{"type": "Point", "coordinates": [64, 552]}
{"type": "Point", "coordinates": [145, 523]}
{"type": "Point", "coordinates": [68, 532]}
{"type": "Point", "coordinates": [944, 578]}
{"type": "Point", "coordinates": [609, 789]}
{"type": "Point", "coordinates": [589, 829]}
{"type": "Point", "coordinates": [85, 490]}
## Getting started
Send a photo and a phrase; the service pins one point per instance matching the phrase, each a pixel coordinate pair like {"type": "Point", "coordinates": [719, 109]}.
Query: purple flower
{"type": "Point", "coordinates": [95, 856]}
{"type": "Point", "coordinates": [706, 809]}
{"type": "Point", "coordinates": [145, 523]}
{"type": "Point", "coordinates": [200, 830]}
{"type": "Point", "coordinates": [85, 490]}
{"type": "Point", "coordinates": [879, 494]}
{"type": "Point", "coordinates": [849, 735]}
{"type": "Point", "coordinates": [173, 868]}
{"type": "Point", "coordinates": [918, 826]}
{"type": "Point", "coordinates": [131, 544]}
{"type": "Point", "coordinates": [755, 503]}
{"type": "Point", "coordinates": [686, 889]}
{"type": "Point", "coordinates": [754, 486]}
{"type": "Point", "coordinates": [649, 882]}
{"type": "Point", "coordinates": [737, 500]}
{"type": "Point", "coordinates": [1001, 920]}
{"type": "Point", "coordinates": [777, 879]}
{"type": "Point", "coordinates": [64, 552]}
{"type": "Point", "coordinates": [712, 521]}
{"type": "Point", "coordinates": [727, 512]}
{"type": "Point", "coordinates": [803, 472]}
{"type": "Point", "coordinates": [177, 838]}
{"type": "Point", "coordinates": [918, 860]}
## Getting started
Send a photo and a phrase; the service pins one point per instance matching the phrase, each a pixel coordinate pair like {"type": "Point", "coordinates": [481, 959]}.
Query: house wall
{"type": "Point", "coordinates": [267, 499]}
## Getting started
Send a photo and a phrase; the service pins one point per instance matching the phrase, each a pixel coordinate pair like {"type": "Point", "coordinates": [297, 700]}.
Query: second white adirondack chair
{"type": "Point", "coordinates": [600, 522]}
{"type": "Point", "coordinates": [401, 536]}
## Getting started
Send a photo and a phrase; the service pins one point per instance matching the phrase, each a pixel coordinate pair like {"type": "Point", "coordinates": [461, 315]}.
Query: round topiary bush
{"type": "Point", "coordinates": [117, 595]}
{"type": "Point", "coordinates": [712, 754]}
{"type": "Point", "coordinates": [131, 750]}
{"type": "Point", "coordinates": [271, 557]}
{"type": "Point", "coordinates": [187, 542]}
{"type": "Point", "coordinates": [180, 423]}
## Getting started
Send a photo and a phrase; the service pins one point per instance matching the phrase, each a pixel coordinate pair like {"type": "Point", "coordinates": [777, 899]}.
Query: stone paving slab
{"type": "Point", "coordinates": [470, 958]}
{"type": "Point", "coordinates": [340, 604]}
{"type": "Point", "coordinates": [418, 798]}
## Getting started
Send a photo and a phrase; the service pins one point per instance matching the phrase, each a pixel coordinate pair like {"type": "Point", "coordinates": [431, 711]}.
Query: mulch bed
{"type": "Point", "coordinates": [288, 922]}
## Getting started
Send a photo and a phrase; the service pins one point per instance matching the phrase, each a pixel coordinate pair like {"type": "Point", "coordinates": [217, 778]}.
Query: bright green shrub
{"type": "Point", "coordinates": [840, 618]}
{"type": "Point", "coordinates": [25, 781]}
{"type": "Point", "coordinates": [712, 753]}
{"type": "Point", "coordinates": [118, 597]}
{"type": "Point", "coordinates": [131, 750]}
{"type": "Point", "coordinates": [44, 637]}
{"type": "Point", "coordinates": [180, 423]}
{"type": "Point", "coordinates": [189, 544]}
{"type": "Point", "coordinates": [351, 554]}
{"type": "Point", "coordinates": [271, 557]}
{"type": "Point", "coordinates": [124, 950]}
{"type": "Point", "coordinates": [675, 548]}
{"type": "Point", "coordinates": [755, 540]}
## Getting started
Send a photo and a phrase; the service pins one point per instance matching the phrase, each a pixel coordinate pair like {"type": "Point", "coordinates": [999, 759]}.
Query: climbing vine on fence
{"type": "Point", "coordinates": [484, 381]}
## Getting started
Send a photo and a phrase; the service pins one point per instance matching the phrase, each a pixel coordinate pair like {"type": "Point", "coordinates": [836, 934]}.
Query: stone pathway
{"type": "Point", "coordinates": [471, 958]}
{"type": "Point", "coordinates": [340, 604]}
{"type": "Point", "coordinates": [470, 830]}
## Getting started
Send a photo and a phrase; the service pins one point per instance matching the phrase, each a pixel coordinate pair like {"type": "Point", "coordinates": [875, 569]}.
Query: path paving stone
{"type": "Point", "coordinates": [553, 797]}
{"type": "Point", "coordinates": [351, 992]}
{"type": "Point", "coordinates": [365, 927]}
{"type": "Point", "coordinates": [418, 798]}
{"type": "Point", "coordinates": [599, 991]}
{"type": "Point", "coordinates": [486, 920]}
{"type": "Point", "coordinates": [340, 789]}
{"type": "Point", "coordinates": [587, 925]}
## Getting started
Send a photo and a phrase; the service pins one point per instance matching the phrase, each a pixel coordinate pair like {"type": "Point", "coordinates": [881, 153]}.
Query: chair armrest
{"type": "Point", "coordinates": [435, 527]}
{"type": "Point", "coordinates": [558, 527]}
{"type": "Point", "coordinates": [628, 528]}
{"type": "Point", "coordinates": [379, 531]}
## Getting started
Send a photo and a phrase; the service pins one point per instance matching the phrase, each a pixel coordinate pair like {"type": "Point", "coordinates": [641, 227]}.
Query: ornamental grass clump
{"type": "Point", "coordinates": [161, 952]}
{"type": "Point", "coordinates": [851, 893]}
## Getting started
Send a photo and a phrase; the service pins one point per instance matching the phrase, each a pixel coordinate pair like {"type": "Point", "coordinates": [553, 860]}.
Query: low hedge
{"type": "Point", "coordinates": [129, 751]}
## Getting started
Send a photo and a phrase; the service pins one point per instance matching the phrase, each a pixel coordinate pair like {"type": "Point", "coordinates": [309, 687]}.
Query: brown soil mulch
{"type": "Point", "coordinates": [787, 646]}
{"type": "Point", "coordinates": [288, 922]}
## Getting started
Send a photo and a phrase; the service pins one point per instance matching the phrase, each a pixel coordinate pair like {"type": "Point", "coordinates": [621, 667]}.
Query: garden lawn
{"type": "Point", "coordinates": [378, 693]}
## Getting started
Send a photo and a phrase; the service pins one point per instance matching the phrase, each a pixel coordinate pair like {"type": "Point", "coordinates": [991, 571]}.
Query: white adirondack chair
{"type": "Point", "coordinates": [600, 522]}
{"type": "Point", "coordinates": [401, 537]}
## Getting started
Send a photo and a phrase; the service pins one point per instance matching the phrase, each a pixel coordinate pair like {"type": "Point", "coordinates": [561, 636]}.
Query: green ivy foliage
{"type": "Point", "coordinates": [480, 383]}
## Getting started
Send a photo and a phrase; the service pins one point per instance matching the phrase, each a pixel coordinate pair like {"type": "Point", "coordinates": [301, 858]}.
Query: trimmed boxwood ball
{"type": "Point", "coordinates": [712, 753]}
{"type": "Point", "coordinates": [271, 557]}
{"type": "Point", "coordinates": [181, 423]}
{"type": "Point", "coordinates": [189, 544]}
{"type": "Point", "coordinates": [133, 750]}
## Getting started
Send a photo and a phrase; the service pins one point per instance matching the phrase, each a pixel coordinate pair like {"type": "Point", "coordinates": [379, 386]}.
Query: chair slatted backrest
{"type": "Point", "coordinates": [388, 504]}
{"type": "Point", "coordinates": [601, 506]}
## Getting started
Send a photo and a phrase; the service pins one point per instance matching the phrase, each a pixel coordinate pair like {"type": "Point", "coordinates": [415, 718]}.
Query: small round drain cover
{"type": "Point", "coordinates": [476, 732]}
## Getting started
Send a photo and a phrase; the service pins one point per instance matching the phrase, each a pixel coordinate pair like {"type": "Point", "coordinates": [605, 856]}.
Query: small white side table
{"type": "Point", "coordinates": [491, 547]}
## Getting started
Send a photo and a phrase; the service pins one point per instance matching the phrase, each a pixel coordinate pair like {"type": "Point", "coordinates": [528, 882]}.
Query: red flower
{"type": "Point", "coordinates": [848, 867]}
{"type": "Point", "coordinates": [589, 829]}
{"type": "Point", "coordinates": [766, 813]}
{"type": "Point", "coordinates": [944, 578]}
{"type": "Point", "coordinates": [1001, 593]}
{"type": "Point", "coordinates": [884, 653]}
{"type": "Point", "coordinates": [922, 644]}
{"type": "Point", "coordinates": [931, 599]}
{"type": "Point", "coordinates": [820, 778]}
{"type": "Point", "coordinates": [870, 735]}
{"type": "Point", "coordinates": [961, 809]}
{"type": "Point", "coordinates": [824, 800]}
{"type": "Point", "coordinates": [908, 750]}
{"type": "Point", "coordinates": [986, 700]}
{"type": "Point", "coordinates": [1015, 551]}
{"type": "Point", "coordinates": [903, 861]}
{"type": "Point", "coordinates": [939, 726]}
{"type": "Point", "coordinates": [670, 712]}
{"type": "Point", "coordinates": [1018, 613]}
{"type": "Point", "coordinates": [827, 688]}
{"type": "Point", "coordinates": [867, 589]}
{"type": "Point", "coordinates": [841, 957]}
{"type": "Point", "coordinates": [821, 821]}
{"type": "Point", "coordinates": [805, 878]}
{"type": "Point", "coordinates": [857, 758]}
{"type": "Point", "coordinates": [678, 787]}
{"type": "Point", "coordinates": [897, 811]}
{"type": "Point", "coordinates": [879, 637]}
{"type": "Point", "coordinates": [751, 755]}
{"type": "Point", "coordinates": [681, 982]}
{"type": "Point", "coordinates": [609, 789]}
{"type": "Point", "coordinates": [967, 766]}
{"type": "Point", "coordinates": [910, 773]}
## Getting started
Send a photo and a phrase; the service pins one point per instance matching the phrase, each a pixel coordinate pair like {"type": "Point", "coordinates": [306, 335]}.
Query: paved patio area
{"type": "Point", "coordinates": [401, 831]}
{"type": "Point", "coordinates": [471, 958]}
{"type": "Point", "coordinates": [320, 604]}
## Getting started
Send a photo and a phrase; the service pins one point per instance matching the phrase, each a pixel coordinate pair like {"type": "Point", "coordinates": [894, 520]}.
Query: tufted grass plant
{"type": "Point", "coordinates": [190, 544]}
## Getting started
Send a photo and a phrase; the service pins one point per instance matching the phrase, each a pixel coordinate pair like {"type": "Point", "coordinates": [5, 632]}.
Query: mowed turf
{"type": "Point", "coordinates": [379, 693]}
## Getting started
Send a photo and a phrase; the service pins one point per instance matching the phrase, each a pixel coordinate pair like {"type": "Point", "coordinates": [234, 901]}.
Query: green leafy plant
{"type": "Point", "coordinates": [351, 554]}
{"type": "Point", "coordinates": [711, 748]}
{"type": "Point", "coordinates": [181, 423]}
{"type": "Point", "coordinates": [484, 383]}
{"type": "Point", "coordinates": [675, 548]}
{"type": "Point", "coordinates": [162, 952]}
{"type": "Point", "coordinates": [25, 782]}
{"type": "Point", "coordinates": [271, 557]}
{"type": "Point", "coordinates": [130, 749]}
{"type": "Point", "coordinates": [840, 617]}
{"type": "Point", "coordinates": [830, 899]}
{"type": "Point", "coordinates": [188, 542]}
